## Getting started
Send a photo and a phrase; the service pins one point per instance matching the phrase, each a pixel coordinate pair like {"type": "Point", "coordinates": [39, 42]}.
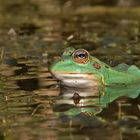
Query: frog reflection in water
{"type": "Point", "coordinates": [78, 69]}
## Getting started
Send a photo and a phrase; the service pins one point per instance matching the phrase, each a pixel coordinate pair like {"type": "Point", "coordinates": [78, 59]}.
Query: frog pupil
{"type": "Point", "coordinates": [81, 55]}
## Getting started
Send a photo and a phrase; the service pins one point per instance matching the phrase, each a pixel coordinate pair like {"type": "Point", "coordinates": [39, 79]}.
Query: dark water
{"type": "Point", "coordinates": [33, 34]}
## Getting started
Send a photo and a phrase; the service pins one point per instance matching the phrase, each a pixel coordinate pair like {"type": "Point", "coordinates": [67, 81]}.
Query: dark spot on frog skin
{"type": "Point", "coordinates": [106, 66]}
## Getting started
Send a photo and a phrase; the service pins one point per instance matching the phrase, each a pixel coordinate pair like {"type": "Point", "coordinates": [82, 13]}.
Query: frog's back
{"type": "Point", "coordinates": [134, 70]}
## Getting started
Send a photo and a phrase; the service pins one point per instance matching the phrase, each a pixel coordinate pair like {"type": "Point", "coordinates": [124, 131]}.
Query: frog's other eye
{"type": "Point", "coordinates": [81, 56]}
{"type": "Point", "coordinates": [68, 51]}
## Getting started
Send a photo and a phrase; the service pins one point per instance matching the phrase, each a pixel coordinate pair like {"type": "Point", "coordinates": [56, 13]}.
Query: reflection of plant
{"type": "Point", "coordinates": [1, 54]}
{"type": "Point", "coordinates": [139, 107]}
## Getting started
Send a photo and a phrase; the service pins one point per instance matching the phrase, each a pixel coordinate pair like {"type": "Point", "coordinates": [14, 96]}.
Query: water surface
{"type": "Point", "coordinates": [31, 40]}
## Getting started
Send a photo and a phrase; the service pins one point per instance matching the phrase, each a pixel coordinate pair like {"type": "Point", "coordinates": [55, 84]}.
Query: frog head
{"type": "Point", "coordinates": [77, 68]}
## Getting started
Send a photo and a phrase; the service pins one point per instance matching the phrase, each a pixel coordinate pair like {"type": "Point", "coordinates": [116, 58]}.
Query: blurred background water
{"type": "Point", "coordinates": [33, 33]}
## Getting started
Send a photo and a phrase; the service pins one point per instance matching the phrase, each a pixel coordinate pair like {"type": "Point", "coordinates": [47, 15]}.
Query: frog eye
{"type": "Point", "coordinates": [81, 56]}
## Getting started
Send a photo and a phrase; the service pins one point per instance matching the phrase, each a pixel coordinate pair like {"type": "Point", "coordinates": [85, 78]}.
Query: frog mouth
{"type": "Point", "coordinates": [80, 80]}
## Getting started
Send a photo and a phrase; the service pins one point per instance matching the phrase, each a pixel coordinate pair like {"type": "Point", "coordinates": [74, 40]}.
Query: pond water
{"type": "Point", "coordinates": [31, 39]}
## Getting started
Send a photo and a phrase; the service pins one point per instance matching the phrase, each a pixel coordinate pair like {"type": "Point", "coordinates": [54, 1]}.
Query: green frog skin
{"type": "Point", "coordinates": [77, 68]}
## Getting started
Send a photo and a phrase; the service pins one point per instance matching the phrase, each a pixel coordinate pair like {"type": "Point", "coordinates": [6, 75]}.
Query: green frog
{"type": "Point", "coordinates": [77, 68]}
{"type": "Point", "coordinates": [90, 83]}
